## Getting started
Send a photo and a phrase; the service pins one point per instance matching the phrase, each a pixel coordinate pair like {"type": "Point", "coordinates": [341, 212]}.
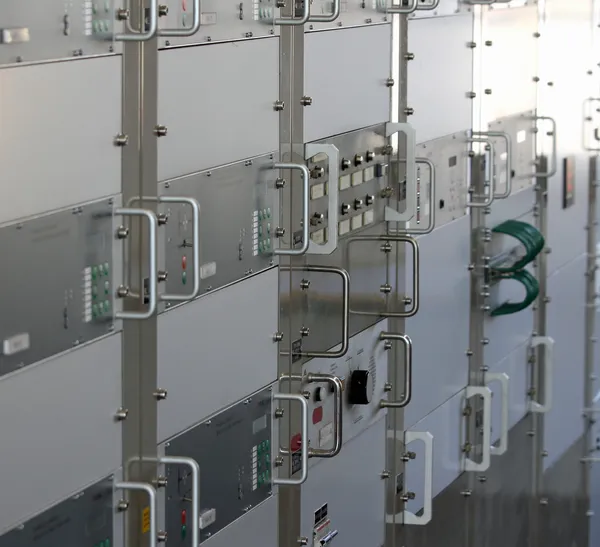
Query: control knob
{"type": "Point", "coordinates": [346, 164]}
{"type": "Point", "coordinates": [358, 159]}
{"type": "Point", "coordinates": [358, 203]}
{"type": "Point", "coordinates": [345, 208]}
{"type": "Point", "coordinates": [360, 388]}
{"type": "Point", "coordinates": [317, 218]}
{"type": "Point", "coordinates": [369, 199]}
{"type": "Point", "coordinates": [370, 155]}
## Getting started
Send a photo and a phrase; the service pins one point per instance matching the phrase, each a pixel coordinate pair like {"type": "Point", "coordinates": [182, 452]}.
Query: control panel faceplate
{"type": "Point", "coordinates": [233, 245]}
{"type": "Point", "coordinates": [59, 283]}
{"type": "Point", "coordinates": [234, 450]}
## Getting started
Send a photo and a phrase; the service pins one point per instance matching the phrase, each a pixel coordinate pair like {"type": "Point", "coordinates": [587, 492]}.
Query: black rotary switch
{"type": "Point", "coordinates": [361, 387]}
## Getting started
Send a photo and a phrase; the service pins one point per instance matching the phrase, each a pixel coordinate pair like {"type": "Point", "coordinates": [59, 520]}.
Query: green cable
{"type": "Point", "coordinates": [532, 290]}
{"type": "Point", "coordinates": [532, 240]}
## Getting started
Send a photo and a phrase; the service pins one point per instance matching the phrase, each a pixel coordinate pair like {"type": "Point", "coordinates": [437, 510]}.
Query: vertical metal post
{"type": "Point", "coordinates": [139, 176]}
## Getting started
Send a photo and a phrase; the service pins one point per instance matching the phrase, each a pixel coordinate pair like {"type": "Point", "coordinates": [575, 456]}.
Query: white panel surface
{"type": "Point", "coordinates": [445, 424]}
{"type": "Point", "coordinates": [566, 321]}
{"type": "Point", "coordinates": [440, 331]}
{"type": "Point", "coordinates": [209, 359]}
{"type": "Point", "coordinates": [345, 74]}
{"type": "Point", "coordinates": [217, 104]}
{"type": "Point", "coordinates": [440, 76]}
{"type": "Point", "coordinates": [56, 145]}
{"type": "Point", "coordinates": [58, 428]}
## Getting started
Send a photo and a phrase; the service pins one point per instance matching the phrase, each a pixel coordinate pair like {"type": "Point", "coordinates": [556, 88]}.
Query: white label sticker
{"type": "Point", "coordinates": [368, 217]}
{"type": "Point", "coordinates": [16, 344]}
{"type": "Point", "coordinates": [318, 237]}
{"type": "Point", "coordinates": [208, 270]}
{"type": "Point", "coordinates": [356, 222]}
{"type": "Point", "coordinates": [317, 191]}
{"type": "Point", "coordinates": [357, 178]}
{"type": "Point", "coordinates": [521, 136]}
{"type": "Point", "coordinates": [345, 182]}
{"type": "Point", "coordinates": [344, 227]}
{"type": "Point", "coordinates": [206, 518]}
{"type": "Point", "coordinates": [368, 174]}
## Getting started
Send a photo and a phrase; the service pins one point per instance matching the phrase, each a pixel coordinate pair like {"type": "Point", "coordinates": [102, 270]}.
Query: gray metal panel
{"type": "Point", "coordinates": [56, 149]}
{"type": "Point", "coordinates": [352, 487]}
{"type": "Point", "coordinates": [345, 99]}
{"type": "Point", "coordinates": [226, 114]}
{"type": "Point", "coordinates": [63, 263]}
{"type": "Point", "coordinates": [445, 424]}
{"type": "Point", "coordinates": [234, 245]}
{"type": "Point", "coordinates": [256, 529]}
{"type": "Point", "coordinates": [442, 55]}
{"type": "Point", "coordinates": [209, 358]}
{"type": "Point", "coordinates": [566, 322]}
{"type": "Point", "coordinates": [511, 33]}
{"type": "Point", "coordinates": [64, 434]}
{"type": "Point", "coordinates": [505, 333]}
{"type": "Point", "coordinates": [440, 331]}
{"type": "Point", "coordinates": [58, 30]}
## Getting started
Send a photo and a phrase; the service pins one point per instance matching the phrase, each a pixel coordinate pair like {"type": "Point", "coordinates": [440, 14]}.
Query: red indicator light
{"type": "Point", "coordinates": [296, 442]}
{"type": "Point", "coordinates": [317, 415]}
{"type": "Point", "coordinates": [184, 5]}
{"type": "Point", "coordinates": [183, 518]}
{"type": "Point", "coordinates": [184, 262]}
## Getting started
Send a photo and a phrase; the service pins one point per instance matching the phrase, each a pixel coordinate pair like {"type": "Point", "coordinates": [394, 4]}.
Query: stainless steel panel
{"type": "Point", "coordinates": [440, 330]}
{"type": "Point", "coordinates": [232, 245]}
{"type": "Point", "coordinates": [57, 30]}
{"type": "Point", "coordinates": [566, 324]}
{"type": "Point", "coordinates": [64, 434]}
{"type": "Point", "coordinates": [86, 518]}
{"type": "Point", "coordinates": [353, 490]}
{"type": "Point", "coordinates": [344, 99]}
{"type": "Point", "coordinates": [225, 114]}
{"type": "Point", "coordinates": [66, 265]}
{"type": "Point", "coordinates": [366, 358]}
{"type": "Point", "coordinates": [511, 34]}
{"type": "Point", "coordinates": [440, 76]}
{"type": "Point", "coordinates": [449, 154]}
{"type": "Point", "coordinates": [56, 149]}
{"type": "Point", "coordinates": [237, 351]}
{"type": "Point", "coordinates": [445, 424]}
{"type": "Point", "coordinates": [234, 450]}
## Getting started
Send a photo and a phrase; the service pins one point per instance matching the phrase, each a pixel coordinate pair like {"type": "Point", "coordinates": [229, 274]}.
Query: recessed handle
{"type": "Point", "coordinates": [152, 27]}
{"type": "Point", "coordinates": [548, 344]}
{"type": "Point", "coordinates": [432, 200]}
{"type": "Point", "coordinates": [509, 163]}
{"type": "Point", "coordinates": [407, 343]}
{"type": "Point", "coordinates": [486, 394]}
{"type": "Point", "coordinates": [491, 195]}
{"type": "Point", "coordinates": [337, 8]}
{"type": "Point", "coordinates": [503, 379]}
{"type": "Point", "coordinates": [391, 214]}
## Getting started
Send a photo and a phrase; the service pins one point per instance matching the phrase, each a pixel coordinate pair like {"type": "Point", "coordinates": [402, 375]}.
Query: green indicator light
{"type": "Point", "coordinates": [94, 291]}
{"type": "Point", "coordinates": [260, 229]}
{"type": "Point", "coordinates": [268, 243]}
{"type": "Point", "coordinates": [94, 8]}
{"type": "Point", "coordinates": [106, 266]}
{"type": "Point", "coordinates": [95, 310]}
{"type": "Point", "coordinates": [106, 306]}
{"type": "Point", "coordinates": [94, 272]}
{"type": "Point", "coordinates": [106, 287]}
{"type": "Point", "coordinates": [259, 466]}
{"type": "Point", "coordinates": [267, 443]}
{"type": "Point", "coordinates": [183, 531]}
{"type": "Point", "coordinates": [268, 227]}
{"type": "Point", "coordinates": [107, 542]}
{"type": "Point", "coordinates": [268, 475]}
{"type": "Point", "coordinates": [106, 9]}
{"type": "Point", "coordinates": [269, 212]}
{"type": "Point", "coordinates": [260, 247]}
{"type": "Point", "coordinates": [184, 278]}
{"type": "Point", "coordinates": [260, 215]}
{"type": "Point", "coordinates": [106, 25]}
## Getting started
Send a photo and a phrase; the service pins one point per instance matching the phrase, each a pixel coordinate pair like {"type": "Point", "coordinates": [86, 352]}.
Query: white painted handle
{"type": "Point", "coordinates": [548, 344]}
{"type": "Point", "coordinates": [503, 379]}
{"type": "Point", "coordinates": [427, 439]}
{"type": "Point", "coordinates": [486, 393]}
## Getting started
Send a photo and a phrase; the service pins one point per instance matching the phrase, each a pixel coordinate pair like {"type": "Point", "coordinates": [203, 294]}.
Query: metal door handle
{"type": "Point", "coordinates": [427, 439]}
{"type": "Point", "coordinates": [333, 160]}
{"type": "Point", "coordinates": [409, 9]}
{"type": "Point", "coordinates": [491, 196]}
{"type": "Point", "coordinates": [416, 273]}
{"type": "Point", "coordinates": [503, 379]}
{"type": "Point", "coordinates": [305, 203]}
{"type": "Point", "coordinates": [338, 390]}
{"type": "Point", "coordinates": [152, 26]}
{"type": "Point", "coordinates": [143, 487]}
{"type": "Point", "coordinates": [548, 344]}
{"type": "Point", "coordinates": [291, 22]}
{"type": "Point", "coordinates": [486, 394]}
{"type": "Point", "coordinates": [552, 134]}
{"type": "Point", "coordinates": [507, 139]}
{"type": "Point", "coordinates": [433, 6]}
{"type": "Point", "coordinates": [392, 214]}
{"type": "Point", "coordinates": [432, 200]}
{"type": "Point", "coordinates": [152, 259]}
{"type": "Point", "coordinates": [407, 342]}
{"type": "Point", "coordinates": [337, 8]}
{"type": "Point", "coordinates": [303, 435]}
{"type": "Point", "coordinates": [345, 310]}
{"type": "Point", "coordinates": [175, 32]}
{"type": "Point", "coordinates": [195, 468]}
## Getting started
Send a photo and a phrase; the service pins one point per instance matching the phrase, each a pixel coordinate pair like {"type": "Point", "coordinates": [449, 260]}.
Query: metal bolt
{"type": "Point", "coordinates": [161, 537]}
{"type": "Point", "coordinates": [385, 474]}
{"type": "Point", "coordinates": [346, 163]}
{"type": "Point", "coordinates": [466, 493]}
{"type": "Point", "coordinates": [317, 219]}
{"type": "Point", "coordinates": [279, 412]}
{"type": "Point", "coordinates": [279, 231]}
{"type": "Point", "coordinates": [162, 275]}
{"type": "Point", "coordinates": [306, 395]}
{"type": "Point", "coordinates": [472, 45]}
{"type": "Point", "coordinates": [303, 540]}
{"type": "Point", "coordinates": [278, 106]}
{"type": "Point", "coordinates": [385, 288]}
{"type": "Point", "coordinates": [408, 496]}
{"type": "Point", "coordinates": [163, 10]}
{"type": "Point", "coordinates": [544, 501]}
{"type": "Point", "coordinates": [278, 337]}
{"type": "Point", "coordinates": [485, 341]}
{"type": "Point", "coordinates": [544, 453]}
{"type": "Point", "coordinates": [121, 414]}
{"type": "Point", "coordinates": [482, 478]}
{"type": "Point", "coordinates": [160, 130]}
{"type": "Point", "coordinates": [278, 461]}
{"type": "Point", "coordinates": [536, 79]}
{"type": "Point", "coordinates": [467, 447]}
{"type": "Point", "coordinates": [387, 387]}
{"type": "Point", "coordinates": [122, 14]}
{"type": "Point", "coordinates": [280, 4]}
{"type": "Point", "coordinates": [390, 82]}
{"type": "Point", "coordinates": [279, 183]}
{"type": "Point", "coordinates": [386, 247]}
{"type": "Point", "coordinates": [486, 307]}
{"type": "Point", "coordinates": [358, 159]}
{"type": "Point", "coordinates": [121, 139]}
{"type": "Point", "coordinates": [471, 94]}
{"type": "Point", "coordinates": [122, 232]}
{"type": "Point", "coordinates": [407, 456]}
{"type": "Point", "coordinates": [304, 331]}
{"type": "Point", "coordinates": [161, 482]}
{"type": "Point", "coordinates": [469, 353]}
{"type": "Point", "coordinates": [409, 111]}
{"type": "Point", "coordinates": [306, 101]}
{"type": "Point", "coordinates": [409, 56]}
{"type": "Point", "coordinates": [160, 394]}
{"type": "Point", "coordinates": [162, 219]}
{"type": "Point", "coordinates": [488, 43]}
{"type": "Point", "coordinates": [547, 299]}
{"type": "Point", "coordinates": [304, 284]}
{"type": "Point", "coordinates": [536, 34]}
{"type": "Point", "coordinates": [387, 150]}
{"type": "Point", "coordinates": [387, 345]}
{"type": "Point", "coordinates": [122, 291]}
{"type": "Point", "coordinates": [122, 505]}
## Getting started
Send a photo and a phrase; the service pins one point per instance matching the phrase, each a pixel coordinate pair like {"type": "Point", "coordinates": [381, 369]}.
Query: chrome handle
{"type": "Point", "coordinates": [337, 8]}
{"type": "Point", "coordinates": [503, 379]}
{"type": "Point", "coordinates": [587, 119]}
{"type": "Point", "coordinates": [305, 203]}
{"type": "Point", "coordinates": [303, 435]}
{"type": "Point", "coordinates": [433, 6]}
{"type": "Point", "coordinates": [185, 32]}
{"type": "Point", "coordinates": [195, 249]}
{"type": "Point", "coordinates": [491, 196]}
{"type": "Point", "coordinates": [291, 22]}
{"type": "Point", "coordinates": [486, 394]}
{"type": "Point", "coordinates": [407, 342]}
{"type": "Point", "coordinates": [432, 201]}
{"type": "Point", "coordinates": [548, 344]}
{"type": "Point", "coordinates": [409, 9]}
{"type": "Point", "coordinates": [143, 487]}
{"type": "Point", "coordinates": [333, 160]}
{"type": "Point", "coordinates": [507, 139]}
{"type": "Point", "coordinates": [427, 439]}
{"type": "Point", "coordinates": [552, 134]}
{"type": "Point", "coordinates": [135, 36]}
{"type": "Point", "coordinates": [195, 468]}
{"type": "Point", "coordinates": [345, 310]}
{"type": "Point", "coordinates": [152, 259]}
{"type": "Point", "coordinates": [392, 214]}
{"type": "Point", "coordinates": [416, 274]}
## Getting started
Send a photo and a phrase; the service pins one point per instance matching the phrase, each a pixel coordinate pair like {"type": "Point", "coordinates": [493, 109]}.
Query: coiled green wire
{"type": "Point", "coordinates": [532, 290]}
{"type": "Point", "coordinates": [532, 240]}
